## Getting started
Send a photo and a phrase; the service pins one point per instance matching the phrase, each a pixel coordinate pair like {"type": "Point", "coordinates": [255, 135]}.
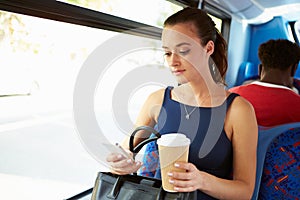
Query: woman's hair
{"type": "Point", "coordinates": [206, 31]}
{"type": "Point", "coordinates": [279, 54]}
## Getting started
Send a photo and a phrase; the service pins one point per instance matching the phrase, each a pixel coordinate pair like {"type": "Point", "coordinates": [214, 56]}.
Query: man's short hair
{"type": "Point", "coordinates": [279, 54]}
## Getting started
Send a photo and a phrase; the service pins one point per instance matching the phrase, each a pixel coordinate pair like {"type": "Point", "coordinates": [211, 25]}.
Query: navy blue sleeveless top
{"type": "Point", "coordinates": [210, 149]}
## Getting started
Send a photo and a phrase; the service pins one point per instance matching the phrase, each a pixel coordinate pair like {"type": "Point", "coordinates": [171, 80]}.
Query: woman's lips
{"type": "Point", "coordinates": [178, 72]}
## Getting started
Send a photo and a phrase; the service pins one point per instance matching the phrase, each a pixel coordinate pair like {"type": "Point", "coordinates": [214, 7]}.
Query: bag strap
{"type": "Point", "coordinates": [116, 188]}
{"type": "Point", "coordinates": [138, 147]}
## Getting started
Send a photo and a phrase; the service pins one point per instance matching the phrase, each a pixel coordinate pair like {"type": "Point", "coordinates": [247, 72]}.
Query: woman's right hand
{"type": "Point", "coordinates": [122, 165]}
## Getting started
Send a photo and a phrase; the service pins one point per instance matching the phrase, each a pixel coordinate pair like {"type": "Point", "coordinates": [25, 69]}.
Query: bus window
{"type": "Point", "coordinates": [38, 136]}
{"type": "Point", "coordinates": [153, 14]}
{"type": "Point", "coordinates": [297, 29]}
{"type": "Point", "coordinates": [218, 22]}
{"type": "Point", "coordinates": [148, 12]}
{"type": "Point", "coordinates": [41, 59]}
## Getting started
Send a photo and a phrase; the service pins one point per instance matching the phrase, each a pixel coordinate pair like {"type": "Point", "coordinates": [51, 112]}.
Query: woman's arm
{"type": "Point", "coordinates": [147, 117]}
{"type": "Point", "coordinates": [241, 121]}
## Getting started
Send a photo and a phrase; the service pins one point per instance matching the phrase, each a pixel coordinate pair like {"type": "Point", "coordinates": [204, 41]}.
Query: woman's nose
{"type": "Point", "coordinates": [174, 59]}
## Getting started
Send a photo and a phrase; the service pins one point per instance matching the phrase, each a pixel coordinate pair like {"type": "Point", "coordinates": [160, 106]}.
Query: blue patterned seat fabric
{"type": "Point", "coordinates": [281, 172]}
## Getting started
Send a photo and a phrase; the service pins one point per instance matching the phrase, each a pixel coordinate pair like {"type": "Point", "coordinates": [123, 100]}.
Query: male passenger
{"type": "Point", "coordinates": [273, 99]}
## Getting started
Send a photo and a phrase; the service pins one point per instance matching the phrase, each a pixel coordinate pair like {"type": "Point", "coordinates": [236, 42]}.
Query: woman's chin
{"type": "Point", "coordinates": [181, 80]}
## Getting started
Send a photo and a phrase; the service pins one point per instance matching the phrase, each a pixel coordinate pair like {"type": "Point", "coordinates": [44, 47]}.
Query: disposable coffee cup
{"type": "Point", "coordinates": [172, 147]}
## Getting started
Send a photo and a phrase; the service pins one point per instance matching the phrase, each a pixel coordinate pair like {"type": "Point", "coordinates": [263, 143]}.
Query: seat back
{"type": "Point", "coordinates": [247, 71]}
{"type": "Point", "coordinates": [278, 163]}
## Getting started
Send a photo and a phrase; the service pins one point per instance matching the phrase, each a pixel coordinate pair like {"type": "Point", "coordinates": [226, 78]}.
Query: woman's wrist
{"type": "Point", "coordinates": [204, 181]}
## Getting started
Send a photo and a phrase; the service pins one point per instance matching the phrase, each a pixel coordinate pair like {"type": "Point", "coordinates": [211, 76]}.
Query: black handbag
{"type": "Point", "coordinates": [110, 186]}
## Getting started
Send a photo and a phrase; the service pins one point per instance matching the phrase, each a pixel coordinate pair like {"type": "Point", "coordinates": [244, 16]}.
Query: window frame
{"type": "Point", "coordinates": [64, 12]}
{"type": "Point", "coordinates": [293, 29]}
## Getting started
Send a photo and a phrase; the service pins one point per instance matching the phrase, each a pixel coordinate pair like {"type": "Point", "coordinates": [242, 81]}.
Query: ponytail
{"type": "Point", "coordinates": [220, 58]}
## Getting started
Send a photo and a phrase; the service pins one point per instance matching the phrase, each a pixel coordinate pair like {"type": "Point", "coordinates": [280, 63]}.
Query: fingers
{"type": "Point", "coordinates": [181, 175]}
{"type": "Point", "coordinates": [183, 185]}
{"type": "Point", "coordinates": [113, 157]}
{"type": "Point", "coordinates": [185, 165]}
{"type": "Point", "coordinates": [184, 181]}
{"type": "Point", "coordinates": [121, 165]}
{"type": "Point", "coordinates": [127, 168]}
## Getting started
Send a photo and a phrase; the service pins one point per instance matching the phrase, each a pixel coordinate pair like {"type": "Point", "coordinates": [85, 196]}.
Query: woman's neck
{"type": "Point", "coordinates": [201, 95]}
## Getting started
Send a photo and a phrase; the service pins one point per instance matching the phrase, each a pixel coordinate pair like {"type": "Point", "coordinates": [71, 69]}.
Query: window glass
{"type": "Point", "coordinates": [218, 22]}
{"type": "Point", "coordinates": [152, 12]}
{"type": "Point", "coordinates": [40, 150]}
{"type": "Point", "coordinates": [297, 29]}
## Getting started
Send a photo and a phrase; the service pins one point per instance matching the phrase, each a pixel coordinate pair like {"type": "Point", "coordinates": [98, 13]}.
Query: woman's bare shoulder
{"type": "Point", "coordinates": [156, 96]}
{"type": "Point", "coordinates": [241, 121]}
{"type": "Point", "coordinates": [241, 104]}
{"type": "Point", "coordinates": [153, 104]}
{"type": "Point", "coordinates": [242, 110]}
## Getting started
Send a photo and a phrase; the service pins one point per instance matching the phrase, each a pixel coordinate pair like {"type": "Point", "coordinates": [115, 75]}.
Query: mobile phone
{"type": "Point", "coordinates": [122, 151]}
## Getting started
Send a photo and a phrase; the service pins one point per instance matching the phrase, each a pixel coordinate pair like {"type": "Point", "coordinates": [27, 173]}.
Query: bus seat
{"type": "Point", "coordinates": [297, 74]}
{"type": "Point", "coordinates": [278, 161]}
{"type": "Point", "coordinates": [247, 71]}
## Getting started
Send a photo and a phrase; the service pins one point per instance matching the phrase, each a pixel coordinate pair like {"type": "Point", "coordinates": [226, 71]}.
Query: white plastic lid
{"type": "Point", "coordinates": [173, 140]}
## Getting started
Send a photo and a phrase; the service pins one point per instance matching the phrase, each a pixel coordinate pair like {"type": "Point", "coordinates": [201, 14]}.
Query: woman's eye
{"type": "Point", "coordinates": [167, 53]}
{"type": "Point", "coordinates": [184, 52]}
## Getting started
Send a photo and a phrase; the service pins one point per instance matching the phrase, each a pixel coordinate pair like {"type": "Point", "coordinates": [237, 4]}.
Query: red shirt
{"type": "Point", "coordinates": [273, 104]}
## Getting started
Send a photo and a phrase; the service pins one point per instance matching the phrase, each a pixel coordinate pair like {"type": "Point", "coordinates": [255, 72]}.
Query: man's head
{"type": "Point", "coordinates": [280, 54]}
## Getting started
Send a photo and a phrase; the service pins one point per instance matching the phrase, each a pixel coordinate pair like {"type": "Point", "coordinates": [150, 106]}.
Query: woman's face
{"type": "Point", "coordinates": [184, 54]}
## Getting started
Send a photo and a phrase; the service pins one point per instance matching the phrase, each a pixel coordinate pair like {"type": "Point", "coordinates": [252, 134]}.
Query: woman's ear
{"type": "Point", "coordinates": [210, 47]}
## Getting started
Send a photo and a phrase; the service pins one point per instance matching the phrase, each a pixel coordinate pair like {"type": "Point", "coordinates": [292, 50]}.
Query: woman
{"type": "Point", "coordinates": [221, 125]}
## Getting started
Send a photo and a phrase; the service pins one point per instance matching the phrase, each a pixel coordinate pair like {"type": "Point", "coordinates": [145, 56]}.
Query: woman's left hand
{"type": "Point", "coordinates": [188, 181]}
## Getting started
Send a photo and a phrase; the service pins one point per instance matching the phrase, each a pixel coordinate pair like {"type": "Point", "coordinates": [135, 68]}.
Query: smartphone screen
{"type": "Point", "coordinates": [123, 152]}
{"type": "Point", "coordinates": [117, 148]}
